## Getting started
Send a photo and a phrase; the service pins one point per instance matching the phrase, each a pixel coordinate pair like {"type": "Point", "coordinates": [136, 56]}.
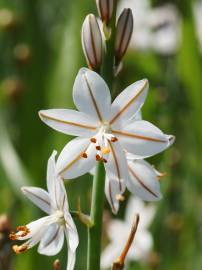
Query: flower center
{"type": "Point", "coordinates": [59, 216]}
{"type": "Point", "coordinates": [102, 142]}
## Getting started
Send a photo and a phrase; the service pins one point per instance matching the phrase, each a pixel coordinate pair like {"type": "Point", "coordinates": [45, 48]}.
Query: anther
{"type": "Point", "coordinates": [106, 150]}
{"type": "Point", "coordinates": [84, 155]}
{"type": "Point", "coordinates": [98, 148]}
{"type": "Point", "coordinates": [20, 249]}
{"type": "Point", "coordinates": [114, 139]}
{"type": "Point", "coordinates": [93, 140]}
{"type": "Point", "coordinates": [98, 157]}
{"type": "Point", "coordinates": [12, 236]}
{"type": "Point", "coordinates": [120, 197]}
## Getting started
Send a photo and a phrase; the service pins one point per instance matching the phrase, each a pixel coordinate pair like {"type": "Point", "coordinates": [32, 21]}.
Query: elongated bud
{"type": "Point", "coordinates": [92, 42]}
{"type": "Point", "coordinates": [105, 9]}
{"type": "Point", "coordinates": [123, 33]}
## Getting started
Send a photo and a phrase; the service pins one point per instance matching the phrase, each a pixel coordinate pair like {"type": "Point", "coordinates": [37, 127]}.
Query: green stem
{"type": "Point", "coordinates": [94, 233]}
{"type": "Point", "coordinates": [97, 204]}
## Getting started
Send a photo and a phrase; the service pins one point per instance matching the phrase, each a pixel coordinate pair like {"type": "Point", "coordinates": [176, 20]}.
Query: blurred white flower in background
{"type": "Point", "coordinates": [156, 28]}
{"type": "Point", "coordinates": [118, 232]}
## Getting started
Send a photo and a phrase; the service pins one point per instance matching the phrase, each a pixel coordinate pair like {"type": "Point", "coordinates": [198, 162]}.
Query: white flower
{"type": "Point", "coordinates": [49, 231]}
{"type": "Point", "coordinates": [104, 129]}
{"type": "Point", "coordinates": [119, 230]}
{"type": "Point", "coordinates": [143, 182]}
{"type": "Point", "coordinates": [154, 28]}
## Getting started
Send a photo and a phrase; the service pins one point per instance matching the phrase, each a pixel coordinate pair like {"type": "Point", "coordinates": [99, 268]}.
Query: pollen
{"type": "Point", "coordinates": [93, 140]}
{"type": "Point", "coordinates": [20, 249]}
{"type": "Point", "coordinates": [98, 148]}
{"type": "Point", "coordinates": [120, 197]}
{"type": "Point", "coordinates": [105, 150]}
{"type": "Point", "coordinates": [84, 155]}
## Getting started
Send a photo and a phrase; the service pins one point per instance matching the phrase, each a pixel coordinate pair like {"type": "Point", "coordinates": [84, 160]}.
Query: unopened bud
{"type": "Point", "coordinates": [105, 9]}
{"type": "Point", "coordinates": [123, 33]}
{"type": "Point", "coordinates": [92, 42]}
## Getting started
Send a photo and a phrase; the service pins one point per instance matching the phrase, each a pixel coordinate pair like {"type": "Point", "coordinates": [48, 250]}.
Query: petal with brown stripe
{"type": "Point", "coordinates": [91, 95]}
{"type": "Point", "coordinates": [116, 166]}
{"type": "Point", "coordinates": [143, 139]}
{"type": "Point", "coordinates": [71, 163]}
{"type": "Point", "coordinates": [39, 197]}
{"type": "Point", "coordinates": [128, 103]}
{"type": "Point", "coordinates": [52, 241]}
{"type": "Point", "coordinates": [143, 181]}
{"type": "Point", "coordinates": [70, 122]}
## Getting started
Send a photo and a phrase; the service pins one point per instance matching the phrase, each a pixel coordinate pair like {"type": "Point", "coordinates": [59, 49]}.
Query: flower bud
{"type": "Point", "coordinates": [105, 9]}
{"type": "Point", "coordinates": [123, 33]}
{"type": "Point", "coordinates": [92, 42]}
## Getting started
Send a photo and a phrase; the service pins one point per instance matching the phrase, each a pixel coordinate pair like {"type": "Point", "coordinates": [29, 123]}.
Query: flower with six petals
{"type": "Point", "coordinates": [49, 231]}
{"type": "Point", "coordinates": [104, 130]}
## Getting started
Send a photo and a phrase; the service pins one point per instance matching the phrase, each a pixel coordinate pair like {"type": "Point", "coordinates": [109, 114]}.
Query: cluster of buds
{"type": "Point", "coordinates": [92, 35]}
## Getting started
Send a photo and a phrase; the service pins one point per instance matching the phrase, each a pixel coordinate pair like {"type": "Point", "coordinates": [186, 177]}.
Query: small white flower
{"type": "Point", "coordinates": [103, 129]}
{"type": "Point", "coordinates": [49, 231]}
{"type": "Point", "coordinates": [118, 232]}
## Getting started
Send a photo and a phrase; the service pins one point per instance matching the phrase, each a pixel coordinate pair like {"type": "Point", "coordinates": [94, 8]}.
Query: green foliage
{"type": "Point", "coordinates": [43, 78]}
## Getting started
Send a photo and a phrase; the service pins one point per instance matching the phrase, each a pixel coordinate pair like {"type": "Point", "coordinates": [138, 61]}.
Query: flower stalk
{"type": "Point", "coordinates": [97, 205]}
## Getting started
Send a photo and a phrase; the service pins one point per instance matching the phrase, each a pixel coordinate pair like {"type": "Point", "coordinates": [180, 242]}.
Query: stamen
{"type": "Point", "coordinates": [93, 140]}
{"type": "Point", "coordinates": [98, 148]}
{"type": "Point", "coordinates": [114, 139]}
{"type": "Point", "coordinates": [104, 160]}
{"type": "Point", "coordinates": [20, 249]}
{"type": "Point", "coordinates": [12, 236]}
{"type": "Point", "coordinates": [84, 155]}
{"type": "Point", "coordinates": [98, 158]}
{"type": "Point", "coordinates": [120, 197]}
{"type": "Point", "coordinates": [105, 150]}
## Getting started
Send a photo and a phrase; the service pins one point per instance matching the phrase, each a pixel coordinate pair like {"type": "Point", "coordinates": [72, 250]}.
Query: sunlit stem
{"type": "Point", "coordinates": [97, 205]}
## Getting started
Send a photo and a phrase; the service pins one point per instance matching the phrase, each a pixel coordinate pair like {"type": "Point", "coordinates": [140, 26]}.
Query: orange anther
{"type": "Point", "coordinates": [84, 155]}
{"type": "Point", "coordinates": [114, 139]}
{"type": "Point", "coordinates": [93, 140]}
{"type": "Point", "coordinates": [98, 148]}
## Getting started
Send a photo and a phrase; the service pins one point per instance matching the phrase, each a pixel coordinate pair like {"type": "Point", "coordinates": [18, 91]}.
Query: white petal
{"type": "Point", "coordinates": [143, 139]}
{"type": "Point", "coordinates": [128, 103]}
{"type": "Point", "coordinates": [36, 228]}
{"type": "Point", "coordinates": [71, 232]}
{"type": "Point", "coordinates": [143, 181]}
{"type": "Point", "coordinates": [52, 241]}
{"type": "Point", "coordinates": [116, 166]}
{"type": "Point", "coordinates": [69, 121]}
{"type": "Point", "coordinates": [71, 164]}
{"type": "Point", "coordinates": [71, 259]}
{"type": "Point", "coordinates": [112, 190]}
{"type": "Point", "coordinates": [91, 95]}
{"type": "Point", "coordinates": [55, 185]}
{"type": "Point", "coordinates": [39, 197]}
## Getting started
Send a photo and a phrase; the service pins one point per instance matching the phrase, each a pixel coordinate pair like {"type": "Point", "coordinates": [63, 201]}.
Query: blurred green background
{"type": "Point", "coordinates": [40, 54]}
